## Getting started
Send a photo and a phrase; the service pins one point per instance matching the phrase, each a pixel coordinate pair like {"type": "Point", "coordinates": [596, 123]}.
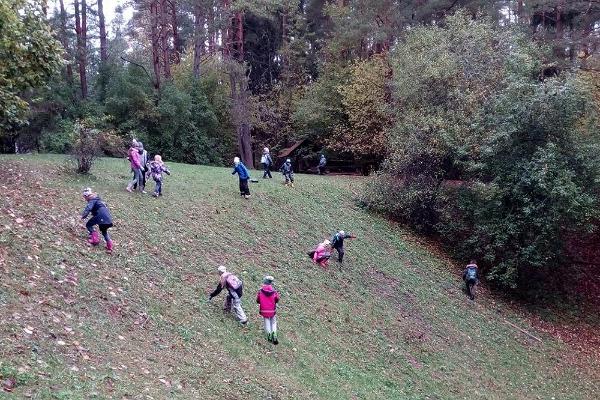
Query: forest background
{"type": "Point", "coordinates": [480, 118]}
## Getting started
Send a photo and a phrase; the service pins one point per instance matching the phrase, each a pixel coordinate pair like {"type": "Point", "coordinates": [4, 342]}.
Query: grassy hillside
{"type": "Point", "coordinates": [393, 323]}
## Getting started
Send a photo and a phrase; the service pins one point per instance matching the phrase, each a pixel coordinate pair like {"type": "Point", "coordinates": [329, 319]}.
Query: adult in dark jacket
{"type": "Point", "coordinates": [322, 164]}
{"type": "Point", "coordinates": [266, 162]}
{"type": "Point", "coordinates": [337, 242]}
{"type": "Point", "coordinates": [144, 167]}
{"type": "Point", "coordinates": [233, 300]}
{"type": "Point", "coordinates": [100, 216]}
{"type": "Point", "coordinates": [243, 175]}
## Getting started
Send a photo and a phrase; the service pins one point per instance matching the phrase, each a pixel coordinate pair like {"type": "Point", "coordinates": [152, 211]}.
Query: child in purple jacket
{"type": "Point", "coordinates": [156, 169]}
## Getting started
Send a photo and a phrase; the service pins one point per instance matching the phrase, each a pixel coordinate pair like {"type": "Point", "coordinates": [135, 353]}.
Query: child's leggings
{"type": "Point", "coordinates": [158, 187]}
{"type": "Point", "coordinates": [270, 324]}
{"type": "Point", "coordinates": [103, 227]}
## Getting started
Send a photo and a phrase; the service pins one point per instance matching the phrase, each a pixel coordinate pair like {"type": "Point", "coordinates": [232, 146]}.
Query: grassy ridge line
{"type": "Point", "coordinates": [393, 324]}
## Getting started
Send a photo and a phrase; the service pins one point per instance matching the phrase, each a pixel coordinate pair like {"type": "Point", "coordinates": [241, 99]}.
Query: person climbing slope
{"type": "Point", "coordinates": [288, 172]}
{"type": "Point", "coordinates": [337, 242]}
{"type": "Point", "coordinates": [156, 169]}
{"type": "Point", "coordinates": [321, 254]}
{"type": "Point", "coordinates": [267, 298]}
{"type": "Point", "coordinates": [233, 300]}
{"type": "Point", "coordinates": [100, 216]}
{"type": "Point", "coordinates": [470, 276]}
{"type": "Point", "coordinates": [243, 175]}
{"type": "Point", "coordinates": [266, 162]}
{"type": "Point", "coordinates": [136, 166]}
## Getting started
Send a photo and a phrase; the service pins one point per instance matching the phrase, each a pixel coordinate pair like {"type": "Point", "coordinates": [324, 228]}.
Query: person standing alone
{"type": "Point", "coordinates": [266, 162]}
{"type": "Point", "coordinates": [243, 175]}
{"type": "Point", "coordinates": [267, 298]}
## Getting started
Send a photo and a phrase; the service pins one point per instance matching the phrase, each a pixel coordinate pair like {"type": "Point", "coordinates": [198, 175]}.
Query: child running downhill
{"type": "Point", "coordinates": [233, 300]}
{"type": "Point", "coordinates": [156, 169]}
{"type": "Point", "coordinates": [267, 298]}
{"type": "Point", "coordinates": [100, 216]}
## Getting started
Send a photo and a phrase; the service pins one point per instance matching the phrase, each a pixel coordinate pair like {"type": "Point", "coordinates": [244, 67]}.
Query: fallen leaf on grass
{"type": "Point", "coordinates": [166, 382]}
{"type": "Point", "coordinates": [9, 384]}
{"type": "Point", "coordinates": [28, 330]}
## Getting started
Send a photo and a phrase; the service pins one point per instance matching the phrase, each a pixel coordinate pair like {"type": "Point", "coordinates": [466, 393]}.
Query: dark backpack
{"type": "Point", "coordinates": [471, 273]}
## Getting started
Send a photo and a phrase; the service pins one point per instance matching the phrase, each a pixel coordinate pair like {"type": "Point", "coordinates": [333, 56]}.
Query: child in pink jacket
{"type": "Point", "coordinates": [322, 254]}
{"type": "Point", "coordinates": [136, 167]}
{"type": "Point", "coordinates": [267, 298]}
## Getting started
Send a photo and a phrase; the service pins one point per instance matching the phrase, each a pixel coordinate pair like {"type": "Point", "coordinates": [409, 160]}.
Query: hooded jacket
{"type": "Point", "coordinates": [320, 252]}
{"type": "Point", "coordinates": [98, 209]}
{"type": "Point", "coordinates": [134, 158]}
{"type": "Point", "coordinates": [267, 298]}
{"type": "Point", "coordinates": [322, 161]}
{"type": "Point", "coordinates": [286, 168]}
{"type": "Point", "coordinates": [241, 170]}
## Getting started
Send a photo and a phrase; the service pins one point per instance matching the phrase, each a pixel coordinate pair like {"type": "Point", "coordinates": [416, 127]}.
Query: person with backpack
{"type": "Point", "coordinates": [266, 162]}
{"type": "Point", "coordinates": [321, 254]}
{"type": "Point", "coordinates": [337, 242]}
{"type": "Point", "coordinates": [244, 176]}
{"type": "Point", "coordinates": [233, 300]}
{"type": "Point", "coordinates": [100, 216]}
{"type": "Point", "coordinates": [267, 299]}
{"type": "Point", "coordinates": [322, 164]}
{"type": "Point", "coordinates": [288, 172]}
{"type": "Point", "coordinates": [471, 277]}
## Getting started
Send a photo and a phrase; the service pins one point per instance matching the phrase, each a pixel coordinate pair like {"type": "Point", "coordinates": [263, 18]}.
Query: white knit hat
{"type": "Point", "coordinates": [288, 160]}
{"type": "Point", "coordinates": [87, 191]}
{"type": "Point", "coordinates": [326, 242]}
{"type": "Point", "coordinates": [342, 233]}
{"type": "Point", "coordinates": [236, 160]}
{"type": "Point", "coordinates": [266, 150]}
{"type": "Point", "coordinates": [222, 269]}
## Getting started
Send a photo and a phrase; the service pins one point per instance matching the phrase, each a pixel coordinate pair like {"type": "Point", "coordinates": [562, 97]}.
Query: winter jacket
{"type": "Point", "coordinates": [98, 209]}
{"type": "Point", "coordinates": [322, 161]}
{"type": "Point", "coordinates": [242, 171]}
{"type": "Point", "coordinates": [320, 252]}
{"type": "Point", "coordinates": [157, 169]}
{"type": "Point", "coordinates": [134, 158]}
{"type": "Point", "coordinates": [286, 168]}
{"type": "Point", "coordinates": [267, 298]}
{"type": "Point", "coordinates": [266, 159]}
{"type": "Point", "coordinates": [337, 241]}
{"type": "Point", "coordinates": [143, 158]}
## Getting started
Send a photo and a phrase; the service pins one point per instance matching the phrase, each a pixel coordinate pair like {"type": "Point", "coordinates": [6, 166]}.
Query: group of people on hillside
{"type": "Point", "coordinates": [142, 169]}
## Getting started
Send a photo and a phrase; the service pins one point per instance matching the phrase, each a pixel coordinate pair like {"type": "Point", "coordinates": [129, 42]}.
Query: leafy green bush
{"type": "Point", "coordinates": [486, 156]}
{"type": "Point", "coordinates": [60, 140]}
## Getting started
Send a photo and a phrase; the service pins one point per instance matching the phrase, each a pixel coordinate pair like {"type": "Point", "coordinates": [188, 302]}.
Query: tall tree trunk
{"type": "Point", "coordinates": [80, 29]}
{"type": "Point", "coordinates": [155, 41]}
{"type": "Point", "coordinates": [102, 27]}
{"type": "Point", "coordinates": [176, 40]}
{"type": "Point", "coordinates": [164, 39]}
{"type": "Point", "coordinates": [211, 28]}
{"type": "Point", "coordinates": [198, 39]}
{"type": "Point", "coordinates": [65, 42]}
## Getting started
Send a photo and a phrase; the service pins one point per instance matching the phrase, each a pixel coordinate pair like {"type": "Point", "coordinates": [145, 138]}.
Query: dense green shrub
{"type": "Point", "coordinates": [485, 155]}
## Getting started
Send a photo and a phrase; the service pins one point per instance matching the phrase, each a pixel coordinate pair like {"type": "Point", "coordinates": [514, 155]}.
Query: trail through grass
{"type": "Point", "coordinates": [392, 323]}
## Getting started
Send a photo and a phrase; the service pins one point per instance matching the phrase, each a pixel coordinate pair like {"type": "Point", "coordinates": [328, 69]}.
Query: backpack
{"type": "Point", "coordinates": [233, 281]}
{"type": "Point", "coordinates": [263, 159]}
{"type": "Point", "coordinates": [471, 273]}
{"type": "Point", "coordinates": [334, 240]}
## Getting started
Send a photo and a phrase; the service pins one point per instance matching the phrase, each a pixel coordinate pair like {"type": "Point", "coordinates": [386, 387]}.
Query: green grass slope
{"type": "Point", "coordinates": [393, 323]}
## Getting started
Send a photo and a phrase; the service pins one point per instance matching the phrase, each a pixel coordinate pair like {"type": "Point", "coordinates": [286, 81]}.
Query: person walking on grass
{"type": "Point", "coordinates": [267, 298]}
{"type": "Point", "coordinates": [322, 164]}
{"type": "Point", "coordinates": [288, 172]}
{"type": "Point", "coordinates": [470, 276]}
{"type": "Point", "coordinates": [136, 167]}
{"type": "Point", "coordinates": [144, 163]}
{"type": "Point", "coordinates": [233, 300]}
{"type": "Point", "coordinates": [156, 169]}
{"type": "Point", "coordinates": [266, 162]}
{"type": "Point", "coordinates": [100, 216]}
{"type": "Point", "coordinates": [321, 254]}
{"type": "Point", "coordinates": [243, 175]}
{"type": "Point", "coordinates": [337, 242]}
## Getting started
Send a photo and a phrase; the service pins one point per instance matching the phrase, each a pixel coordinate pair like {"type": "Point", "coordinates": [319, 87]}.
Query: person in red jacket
{"type": "Point", "coordinates": [267, 298]}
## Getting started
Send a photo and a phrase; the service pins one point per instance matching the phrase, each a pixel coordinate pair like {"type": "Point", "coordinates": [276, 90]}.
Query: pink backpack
{"type": "Point", "coordinates": [233, 281]}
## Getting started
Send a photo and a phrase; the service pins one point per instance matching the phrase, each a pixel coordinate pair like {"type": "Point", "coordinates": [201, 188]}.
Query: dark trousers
{"type": "Point", "coordinates": [470, 283]}
{"type": "Point", "coordinates": [341, 252]}
{"type": "Point", "coordinates": [244, 189]}
{"type": "Point", "coordinates": [267, 169]}
{"type": "Point", "coordinates": [289, 177]}
{"type": "Point", "coordinates": [321, 170]}
{"type": "Point", "coordinates": [103, 227]}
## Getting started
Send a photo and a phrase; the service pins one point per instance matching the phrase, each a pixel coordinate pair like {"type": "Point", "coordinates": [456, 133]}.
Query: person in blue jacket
{"type": "Point", "coordinates": [244, 176]}
{"type": "Point", "coordinates": [100, 216]}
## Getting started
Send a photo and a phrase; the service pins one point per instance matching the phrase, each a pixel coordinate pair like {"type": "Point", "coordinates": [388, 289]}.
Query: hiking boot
{"type": "Point", "coordinates": [154, 194]}
{"type": "Point", "coordinates": [94, 238]}
{"type": "Point", "coordinates": [269, 337]}
{"type": "Point", "coordinates": [247, 196]}
{"type": "Point", "coordinates": [109, 246]}
{"type": "Point", "coordinates": [128, 188]}
{"type": "Point", "coordinates": [274, 336]}
{"type": "Point", "coordinates": [291, 184]}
